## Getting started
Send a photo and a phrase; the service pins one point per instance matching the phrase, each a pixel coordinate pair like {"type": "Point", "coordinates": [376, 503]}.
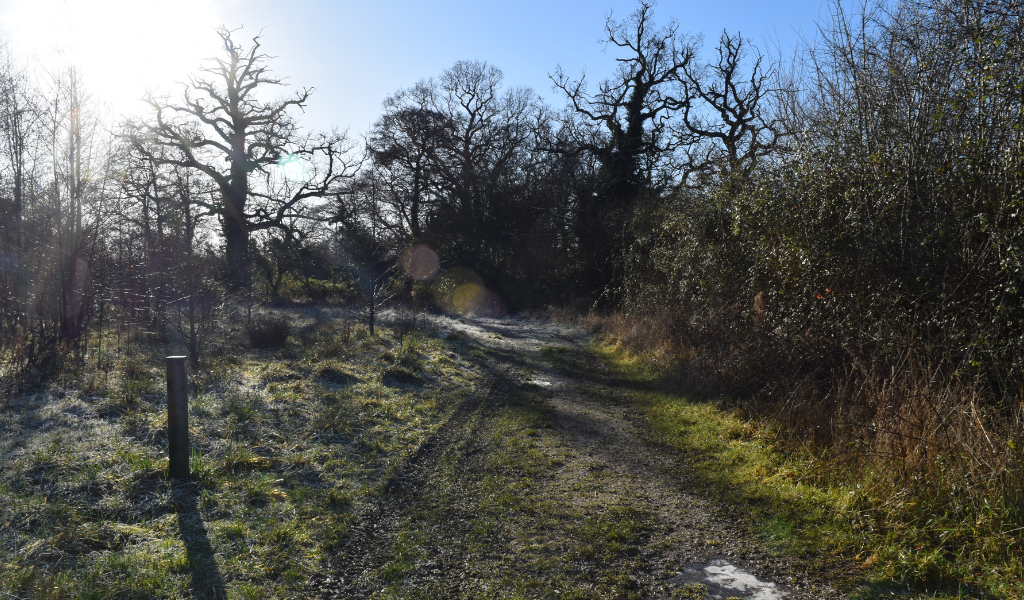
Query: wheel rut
{"type": "Point", "coordinates": [365, 549]}
{"type": "Point", "coordinates": [689, 547]}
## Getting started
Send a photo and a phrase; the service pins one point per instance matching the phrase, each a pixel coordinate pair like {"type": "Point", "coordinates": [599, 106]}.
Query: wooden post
{"type": "Point", "coordinates": [177, 417]}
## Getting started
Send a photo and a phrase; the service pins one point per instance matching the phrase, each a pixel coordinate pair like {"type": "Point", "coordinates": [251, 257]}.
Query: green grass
{"type": "Point", "coordinates": [287, 445]}
{"type": "Point", "coordinates": [520, 516]}
{"type": "Point", "coordinates": [802, 505]}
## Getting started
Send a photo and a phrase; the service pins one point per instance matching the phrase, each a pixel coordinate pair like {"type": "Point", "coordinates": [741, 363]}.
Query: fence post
{"type": "Point", "coordinates": [177, 417]}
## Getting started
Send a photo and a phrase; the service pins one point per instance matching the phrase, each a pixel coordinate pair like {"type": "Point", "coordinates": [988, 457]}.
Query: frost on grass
{"type": "Point", "coordinates": [288, 443]}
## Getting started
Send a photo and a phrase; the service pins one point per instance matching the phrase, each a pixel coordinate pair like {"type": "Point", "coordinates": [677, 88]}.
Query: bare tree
{"type": "Point", "coordinates": [487, 145]}
{"type": "Point", "coordinates": [18, 118]}
{"type": "Point", "coordinates": [405, 143]}
{"type": "Point", "coordinates": [456, 165]}
{"type": "Point", "coordinates": [192, 315]}
{"type": "Point", "coordinates": [728, 124]}
{"type": "Point", "coordinates": [634, 106]}
{"type": "Point", "coordinates": [223, 128]}
{"type": "Point", "coordinates": [625, 126]}
{"type": "Point", "coordinates": [370, 244]}
{"type": "Point", "coordinates": [76, 188]}
{"type": "Point", "coordinates": [161, 209]}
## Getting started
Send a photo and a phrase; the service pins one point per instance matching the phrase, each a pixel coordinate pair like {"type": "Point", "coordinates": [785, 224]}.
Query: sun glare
{"type": "Point", "coordinates": [121, 47]}
{"type": "Point", "coordinates": [295, 168]}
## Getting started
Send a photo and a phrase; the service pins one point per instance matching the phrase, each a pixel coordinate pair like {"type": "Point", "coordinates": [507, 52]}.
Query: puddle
{"type": "Point", "coordinates": [725, 580]}
{"type": "Point", "coordinates": [541, 382]}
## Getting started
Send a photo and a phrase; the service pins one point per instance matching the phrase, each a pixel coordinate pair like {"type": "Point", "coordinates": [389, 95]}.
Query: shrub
{"type": "Point", "coordinates": [268, 331]}
{"type": "Point", "coordinates": [404, 323]}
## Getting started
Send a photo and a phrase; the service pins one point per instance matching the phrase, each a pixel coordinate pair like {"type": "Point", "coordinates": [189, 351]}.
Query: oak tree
{"type": "Point", "coordinates": [633, 106]}
{"type": "Point", "coordinates": [265, 169]}
{"type": "Point", "coordinates": [729, 122]}
{"type": "Point", "coordinates": [625, 125]}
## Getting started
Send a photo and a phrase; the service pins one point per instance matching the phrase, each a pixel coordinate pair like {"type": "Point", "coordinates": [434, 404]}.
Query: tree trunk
{"type": "Point", "coordinates": [236, 232]}
{"type": "Point", "coordinates": [20, 279]}
{"type": "Point", "coordinates": [414, 210]}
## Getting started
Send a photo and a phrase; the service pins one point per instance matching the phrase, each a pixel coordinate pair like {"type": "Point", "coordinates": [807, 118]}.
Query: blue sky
{"type": "Point", "coordinates": [356, 53]}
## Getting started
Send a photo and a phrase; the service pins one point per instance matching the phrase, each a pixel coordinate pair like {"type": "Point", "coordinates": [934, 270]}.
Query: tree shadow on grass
{"type": "Point", "coordinates": [207, 582]}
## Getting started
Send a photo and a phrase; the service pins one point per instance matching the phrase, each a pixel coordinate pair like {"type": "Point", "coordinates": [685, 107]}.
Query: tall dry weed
{"type": "Point", "coordinates": [927, 442]}
{"type": "Point", "coordinates": [916, 427]}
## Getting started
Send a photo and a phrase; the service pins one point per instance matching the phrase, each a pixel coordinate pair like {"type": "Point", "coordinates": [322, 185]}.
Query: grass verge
{"type": "Point", "coordinates": [802, 503]}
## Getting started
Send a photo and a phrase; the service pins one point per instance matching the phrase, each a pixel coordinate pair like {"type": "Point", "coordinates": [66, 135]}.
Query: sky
{"type": "Point", "coordinates": [356, 53]}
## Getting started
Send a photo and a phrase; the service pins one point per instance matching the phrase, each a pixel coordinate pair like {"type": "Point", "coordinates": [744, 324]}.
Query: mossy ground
{"type": "Point", "coordinates": [288, 443]}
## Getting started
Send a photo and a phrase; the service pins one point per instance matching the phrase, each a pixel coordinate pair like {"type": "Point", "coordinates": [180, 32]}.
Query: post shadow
{"type": "Point", "coordinates": [207, 582]}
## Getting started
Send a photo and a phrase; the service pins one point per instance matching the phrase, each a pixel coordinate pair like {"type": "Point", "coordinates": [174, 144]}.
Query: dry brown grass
{"type": "Point", "coordinates": [644, 334]}
{"type": "Point", "coordinates": [937, 435]}
{"type": "Point", "coordinates": [941, 462]}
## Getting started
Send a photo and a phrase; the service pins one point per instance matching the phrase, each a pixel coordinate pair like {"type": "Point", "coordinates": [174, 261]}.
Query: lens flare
{"type": "Point", "coordinates": [461, 290]}
{"type": "Point", "coordinates": [295, 168]}
{"type": "Point", "coordinates": [420, 263]}
{"type": "Point", "coordinates": [469, 298]}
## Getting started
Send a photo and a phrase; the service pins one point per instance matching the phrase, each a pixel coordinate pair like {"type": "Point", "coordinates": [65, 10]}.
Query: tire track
{"type": "Point", "coordinates": [700, 550]}
{"type": "Point", "coordinates": [368, 541]}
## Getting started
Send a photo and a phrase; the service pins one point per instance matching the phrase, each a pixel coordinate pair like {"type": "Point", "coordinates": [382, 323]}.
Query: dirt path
{"type": "Point", "coordinates": [594, 511]}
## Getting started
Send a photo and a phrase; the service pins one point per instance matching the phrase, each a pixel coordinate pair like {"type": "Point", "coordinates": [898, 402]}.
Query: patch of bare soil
{"type": "Point", "coordinates": [603, 514]}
